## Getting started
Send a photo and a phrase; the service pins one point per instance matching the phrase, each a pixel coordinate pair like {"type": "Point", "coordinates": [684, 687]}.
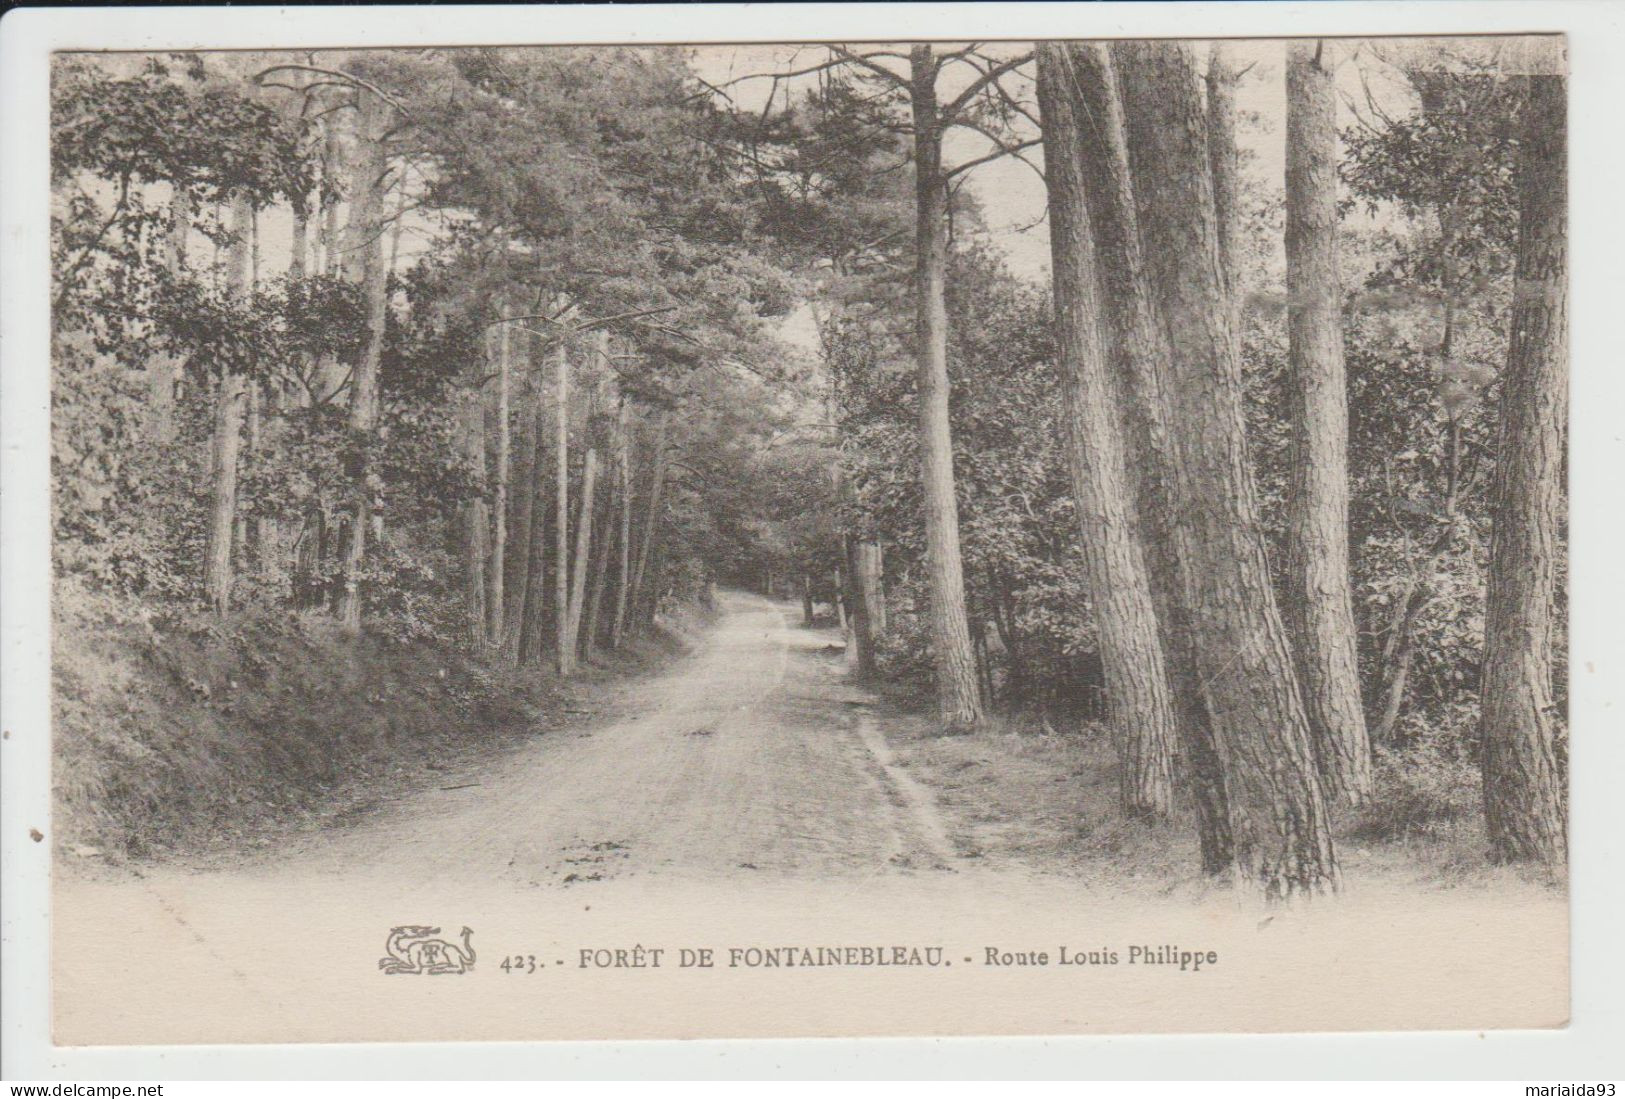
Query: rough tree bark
{"type": "Point", "coordinates": [1318, 599]}
{"type": "Point", "coordinates": [1282, 842]}
{"type": "Point", "coordinates": [1141, 356]}
{"type": "Point", "coordinates": [958, 695]}
{"type": "Point", "coordinates": [1140, 707]}
{"type": "Point", "coordinates": [1523, 797]}
{"type": "Point", "coordinates": [364, 239]}
{"type": "Point", "coordinates": [230, 409]}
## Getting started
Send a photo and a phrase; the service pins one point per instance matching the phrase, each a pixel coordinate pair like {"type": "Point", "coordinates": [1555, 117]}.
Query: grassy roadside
{"type": "Point", "coordinates": [182, 736]}
{"type": "Point", "coordinates": [1042, 794]}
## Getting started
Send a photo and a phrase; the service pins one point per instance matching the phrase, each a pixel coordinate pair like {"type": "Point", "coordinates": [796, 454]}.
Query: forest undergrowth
{"type": "Point", "coordinates": [184, 736]}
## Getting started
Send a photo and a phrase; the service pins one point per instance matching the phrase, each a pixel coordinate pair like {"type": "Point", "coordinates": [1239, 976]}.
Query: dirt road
{"type": "Point", "coordinates": [753, 755]}
{"type": "Point", "coordinates": [748, 799]}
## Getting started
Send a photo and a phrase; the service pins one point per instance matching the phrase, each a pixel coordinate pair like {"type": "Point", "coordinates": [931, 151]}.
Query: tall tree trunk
{"type": "Point", "coordinates": [623, 574]}
{"type": "Point", "coordinates": [959, 699]}
{"type": "Point", "coordinates": [1319, 601]}
{"type": "Point", "coordinates": [476, 529]}
{"type": "Point", "coordinates": [1523, 796]}
{"type": "Point", "coordinates": [1223, 161]}
{"type": "Point", "coordinates": [566, 654]}
{"type": "Point", "coordinates": [164, 370]}
{"type": "Point", "coordinates": [496, 582]}
{"type": "Point", "coordinates": [306, 591]}
{"type": "Point", "coordinates": [1141, 357]}
{"type": "Point", "coordinates": [649, 609]}
{"type": "Point", "coordinates": [397, 220]}
{"type": "Point", "coordinates": [363, 239]}
{"type": "Point", "coordinates": [651, 523]}
{"type": "Point", "coordinates": [259, 534]}
{"type": "Point", "coordinates": [329, 374]}
{"type": "Point", "coordinates": [249, 530]}
{"type": "Point", "coordinates": [860, 592]}
{"type": "Point", "coordinates": [1140, 710]}
{"type": "Point", "coordinates": [247, 535]}
{"type": "Point", "coordinates": [521, 510]}
{"type": "Point", "coordinates": [1283, 844]}
{"type": "Point", "coordinates": [333, 260]}
{"type": "Point", "coordinates": [870, 569]}
{"type": "Point", "coordinates": [602, 542]}
{"type": "Point", "coordinates": [533, 625]}
{"type": "Point", "coordinates": [230, 409]}
{"type": "Point", "coordinates": [397, 223]}
{"type": "Point", "coordinates": [590, 625]}
{"type": "Point", "coordinates": [808, 619]}
{"type": "Point", "coordinates": [578, 572]}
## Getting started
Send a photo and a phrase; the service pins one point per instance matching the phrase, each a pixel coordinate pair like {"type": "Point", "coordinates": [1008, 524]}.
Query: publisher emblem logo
{"type": "Point", "coordinates": [414, 948]}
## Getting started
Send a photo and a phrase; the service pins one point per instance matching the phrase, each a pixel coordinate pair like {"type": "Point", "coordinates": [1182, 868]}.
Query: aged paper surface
{"type": "Point", "coordinates": [737, 834]}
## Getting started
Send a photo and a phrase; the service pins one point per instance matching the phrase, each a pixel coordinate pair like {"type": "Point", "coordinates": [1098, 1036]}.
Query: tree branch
{"type": "Point", "coordinates": [952, 110]}
{"type": "Point", "coordinates": [777, 76]}
{"type": "Point", "coordinates": [1010, 100]}
{"type": "Point", "coordinates": [863, 59]}
{"type": "Point", "coordinates": [957, 55]}
{"type": "Point", "coordinates": [1000, 150]}
{"type": "Point", "coordinates": [353, 80]}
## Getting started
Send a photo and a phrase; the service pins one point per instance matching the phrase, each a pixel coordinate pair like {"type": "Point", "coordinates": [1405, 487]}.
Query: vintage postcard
{"type": "Point", "coordinates": [808, 539]}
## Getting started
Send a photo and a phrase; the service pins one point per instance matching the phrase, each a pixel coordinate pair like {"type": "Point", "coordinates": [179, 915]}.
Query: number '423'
{"type": "Point", "coordinates": [519, 963]}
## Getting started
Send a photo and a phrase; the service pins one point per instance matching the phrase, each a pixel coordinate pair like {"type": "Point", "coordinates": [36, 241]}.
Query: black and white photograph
{"type": "Point", "coordinates": [916, 538]}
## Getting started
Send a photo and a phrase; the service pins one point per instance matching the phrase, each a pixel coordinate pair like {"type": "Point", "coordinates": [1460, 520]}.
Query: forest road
{"type": "Point", "coordinates": [746, 794]}
{"type": "Point", "coordinates": [753, 756]}
{"type": "Point", "coordinates": [748, 797]}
